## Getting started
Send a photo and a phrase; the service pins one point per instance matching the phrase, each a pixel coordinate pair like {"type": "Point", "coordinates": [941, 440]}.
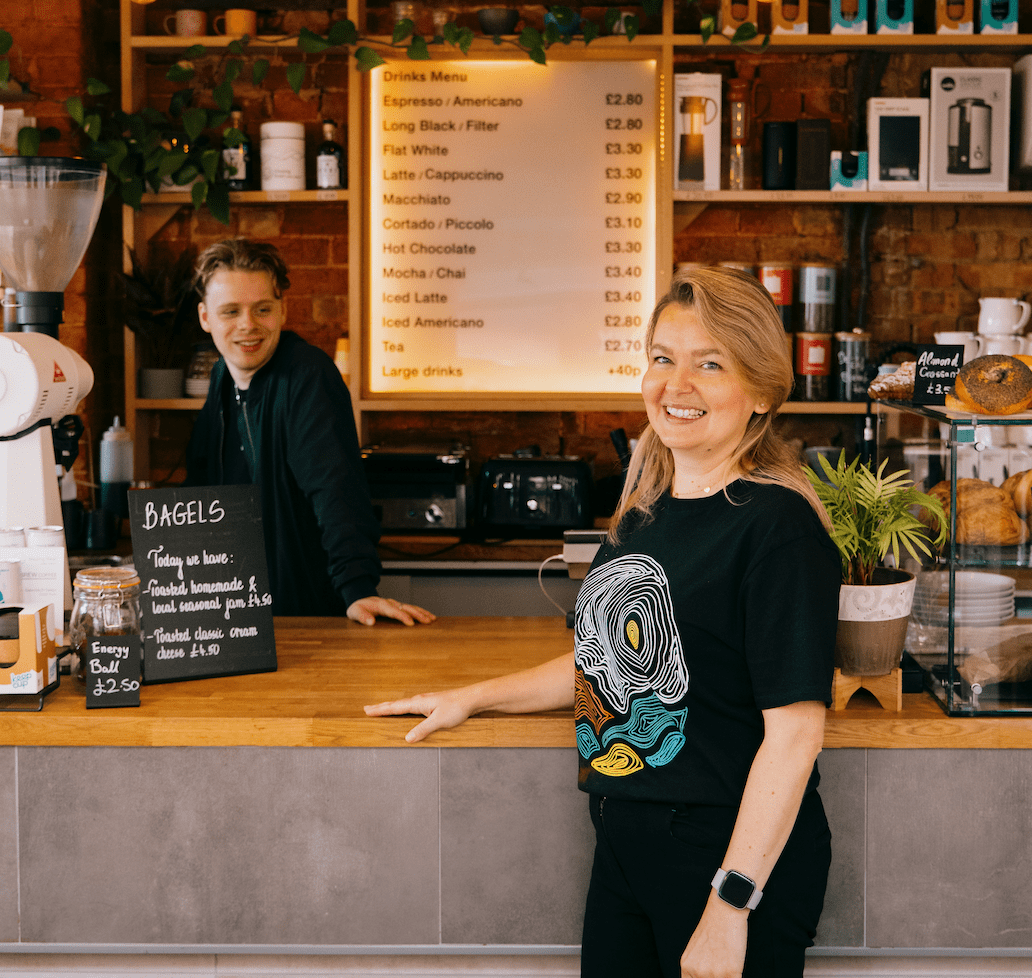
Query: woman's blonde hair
{"type": "Point", "coordinates": [740, 315]}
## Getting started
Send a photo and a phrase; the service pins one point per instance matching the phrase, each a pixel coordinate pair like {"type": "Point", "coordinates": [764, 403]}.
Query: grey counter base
{"type": "Point", "coordinates": [484, 849]}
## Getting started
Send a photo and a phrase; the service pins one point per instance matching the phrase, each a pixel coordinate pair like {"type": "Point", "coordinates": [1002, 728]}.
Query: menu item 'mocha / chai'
{"type": "Point", "coordinates": [512, 226]}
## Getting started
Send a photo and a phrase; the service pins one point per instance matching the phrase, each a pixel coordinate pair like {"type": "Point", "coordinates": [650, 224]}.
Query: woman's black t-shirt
{"type": "Point", "coordinates": [696, 621]}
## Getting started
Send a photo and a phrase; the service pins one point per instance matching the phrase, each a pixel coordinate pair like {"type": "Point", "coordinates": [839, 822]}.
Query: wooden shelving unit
{"type": "Point", "coordinates": [675, 209]}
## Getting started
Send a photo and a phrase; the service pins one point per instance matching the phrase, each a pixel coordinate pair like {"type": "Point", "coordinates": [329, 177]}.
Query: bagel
{"type": "Point", "coordinates": [994, 384]}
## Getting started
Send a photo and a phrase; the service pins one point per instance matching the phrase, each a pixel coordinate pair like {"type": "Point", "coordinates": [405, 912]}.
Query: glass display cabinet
{"type": "Point", "coordinates": [970, 630]}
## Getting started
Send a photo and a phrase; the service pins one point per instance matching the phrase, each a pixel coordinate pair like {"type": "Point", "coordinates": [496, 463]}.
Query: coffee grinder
{"type": "Point", "coordinates": [49, 208]}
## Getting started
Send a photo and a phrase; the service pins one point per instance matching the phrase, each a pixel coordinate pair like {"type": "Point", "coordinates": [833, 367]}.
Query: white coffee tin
{"type": "Point", "coordinates": [283, 156]}
{"type": "Point", "coordinates": [10, 583]}
{"type": "Point", "coordinates": [12, 536]}
{"type": "Point", "coordinates": [45, 536]}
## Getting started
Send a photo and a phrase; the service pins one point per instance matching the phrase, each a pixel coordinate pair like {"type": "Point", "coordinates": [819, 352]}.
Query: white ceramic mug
{"type": "Point", "coordinates": [187, 23]}
{"type": "Point", "coordinates": [971, 342]}
{"type": "Point", "coordinates": [1008, 346]}
{"type": "Point", "coordinates": [236, 21]}
{"type": "Point", "coordinates": [1003, 317]}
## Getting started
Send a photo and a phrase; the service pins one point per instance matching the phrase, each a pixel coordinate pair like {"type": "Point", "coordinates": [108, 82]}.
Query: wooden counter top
{"type": "Point", "coordinates": [329, 668]}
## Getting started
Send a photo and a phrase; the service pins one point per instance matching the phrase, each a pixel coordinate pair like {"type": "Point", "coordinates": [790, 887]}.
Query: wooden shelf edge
{"type": "Point", "coordinates": [683, 198]}
{"type": "Point", "coordinates": [255, 197]}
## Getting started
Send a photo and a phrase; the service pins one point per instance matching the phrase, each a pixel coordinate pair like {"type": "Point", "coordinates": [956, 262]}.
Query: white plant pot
{"type": "Point", "coordinates": [872, 627]}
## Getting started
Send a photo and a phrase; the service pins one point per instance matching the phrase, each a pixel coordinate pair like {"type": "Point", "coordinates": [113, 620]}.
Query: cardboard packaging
{"type": "Point", "coordinates": [1021, 114]}
{"type": "Point", "coordinates": [894, 17]}
{"type": "Point", "coordinates": [33, 652]}
{"type": "Point", "coordinates": [697, 131]}
{"type": "Point", "coordinates": [969, 128]}
{"type": "Point", "coordinates": [998, 16]}
{"type": "Point", "coordinates": [734, 13]}
{"type": "Point", "coordinates": [790, 17]}
{"type": "Point", "coordinates": [848, 16]}
{"type": "Point", "coordinates": [897, 143]}
{"type": "Point", "coordinates": [954, 16]}
{"type": "Point", "coordinates": [849, 174]}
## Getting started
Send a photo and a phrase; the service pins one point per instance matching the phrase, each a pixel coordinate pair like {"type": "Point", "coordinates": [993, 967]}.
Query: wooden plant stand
{"type": "Point", "coordinates": [887, 690]}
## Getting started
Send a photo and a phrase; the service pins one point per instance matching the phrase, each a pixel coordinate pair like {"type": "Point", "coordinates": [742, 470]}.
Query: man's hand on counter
{"type": "Point", "coordinates": [366, 610]}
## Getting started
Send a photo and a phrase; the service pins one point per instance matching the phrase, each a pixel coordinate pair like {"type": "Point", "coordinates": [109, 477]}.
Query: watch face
{"type": "Point", "coordinates": [736, 889]}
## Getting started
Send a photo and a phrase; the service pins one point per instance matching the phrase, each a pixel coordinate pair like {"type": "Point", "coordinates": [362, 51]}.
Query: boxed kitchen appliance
{"type": "Point", "coordinates": [893, 16]}
{"type": "Point", "coordinates": [954, 17]}
{"type": "Point", "coordinates": [969, 128]}
{"type": "Point", "coordinates": [697, 130]}
{"type": "Point", "coordinates": [897, 143]}
{"type": "Point", "coordinates": [998, 16]}
{"type": "Point", "coordinates": [848, 16]}
{"type": "Point", "coordinates": [28, 662]}
{"type": "Point", "coordinates": [790, 17]}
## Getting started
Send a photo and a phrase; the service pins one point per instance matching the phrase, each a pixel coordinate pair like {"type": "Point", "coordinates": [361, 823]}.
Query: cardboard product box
{"type": "Point", "coordinates": [897, 143]}
{"type": "Point", "coordinates": [998, 16]}
{"type": "Point", "coordinates": [894, 17]}
{"type": "Point", "coordinates": [790, 17]}
{"type": "Point", "coordinates": [848, 16]}
{"type": "Point", "coordinates": [28, 663]}
{"type": "Point", "coordinates": [1021, 114]}
{"type": "Point", "coordinates": [954, 16]}
{"type": "Point", "coordinates": [969, 128]}
{"type": "Point", "coordinates": [734, 13]}
{"type": "Point", "coordinates": [697, 131]}
{"type": "Point", "coordinates": [848, 175]}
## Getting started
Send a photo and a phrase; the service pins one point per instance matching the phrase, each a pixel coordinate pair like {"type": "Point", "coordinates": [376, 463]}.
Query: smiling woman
{"type": "Point", "coordinates": [703, 663]}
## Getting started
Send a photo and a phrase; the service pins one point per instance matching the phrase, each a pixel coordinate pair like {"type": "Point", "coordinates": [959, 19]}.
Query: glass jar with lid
{"type": "Point", "coordinates": [106, 601]}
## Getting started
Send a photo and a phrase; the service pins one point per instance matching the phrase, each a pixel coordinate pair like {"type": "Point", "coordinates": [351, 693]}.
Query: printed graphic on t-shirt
{"type": "Point", "coordinates": [631, 672]}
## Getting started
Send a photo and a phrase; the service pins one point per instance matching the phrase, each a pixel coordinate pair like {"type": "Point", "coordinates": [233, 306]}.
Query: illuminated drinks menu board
{"type": "Point", "coordinates": [512, 226]}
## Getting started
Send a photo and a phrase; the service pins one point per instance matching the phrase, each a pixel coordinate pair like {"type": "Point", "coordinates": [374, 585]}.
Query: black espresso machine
{"type": "Point", "coordinates": [418, 488]}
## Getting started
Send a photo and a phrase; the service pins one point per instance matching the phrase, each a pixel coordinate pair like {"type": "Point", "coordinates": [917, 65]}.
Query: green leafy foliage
{"type": "Point", "coordinates": [873, 513]}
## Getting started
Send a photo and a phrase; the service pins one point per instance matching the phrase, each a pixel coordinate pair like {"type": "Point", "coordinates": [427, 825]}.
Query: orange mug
{"type": "Point", "coordinates": [187, 23]}
{"type": "Point", "coordinates": [236, 21]}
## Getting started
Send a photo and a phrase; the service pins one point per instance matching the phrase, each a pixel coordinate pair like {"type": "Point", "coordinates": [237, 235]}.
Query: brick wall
{"type": "Point", "coordinates": [928, 264]}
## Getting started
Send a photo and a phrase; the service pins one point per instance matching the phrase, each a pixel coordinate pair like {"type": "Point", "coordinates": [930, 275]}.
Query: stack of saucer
{"type": "Point", "coordinates": [980, 599]}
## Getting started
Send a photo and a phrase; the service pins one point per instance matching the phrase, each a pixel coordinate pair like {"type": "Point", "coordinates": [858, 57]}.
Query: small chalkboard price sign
{"type": "Point", "coordinates": [113, 671]}
{"type": "Point", "coordinates": [937, 368]}
{"type": "Point", "coordinates": [204, 583]}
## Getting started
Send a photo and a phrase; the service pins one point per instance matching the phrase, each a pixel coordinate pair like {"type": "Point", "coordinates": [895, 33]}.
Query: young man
{"type": "Point", "coordinates": [279, 415]}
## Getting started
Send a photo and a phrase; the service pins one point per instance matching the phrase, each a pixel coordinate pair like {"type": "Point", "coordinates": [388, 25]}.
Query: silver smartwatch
{"type": "Point", "coordinates": [736, 889]}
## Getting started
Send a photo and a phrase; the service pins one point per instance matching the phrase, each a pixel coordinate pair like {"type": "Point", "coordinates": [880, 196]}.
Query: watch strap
{"type": "Point", "coordinates": [717, 883]}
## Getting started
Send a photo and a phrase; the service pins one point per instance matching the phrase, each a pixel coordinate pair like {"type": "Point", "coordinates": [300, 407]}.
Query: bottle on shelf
{"type": "Point", "coordinates": [236, 153]}
{"type": "Point", "coordinates": [330, 165]}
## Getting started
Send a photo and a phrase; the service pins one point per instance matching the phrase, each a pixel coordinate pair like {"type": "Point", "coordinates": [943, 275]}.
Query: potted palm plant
{"type": "Point", "coordinates": [872, 514]}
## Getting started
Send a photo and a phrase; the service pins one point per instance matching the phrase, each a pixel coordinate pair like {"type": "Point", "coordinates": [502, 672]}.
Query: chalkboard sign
{"type": "Point", "coordinates": [113, 671]}
{"type": "Point", "coordinates": [937, 368]}
{"type": "Point", "coordinates": [204, 583]}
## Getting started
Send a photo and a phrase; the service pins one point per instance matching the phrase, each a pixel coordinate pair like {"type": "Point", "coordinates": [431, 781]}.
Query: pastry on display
{"type": "Point", "coordinates": [1019, 488]}
{"type": "Point", "coordinates": [993, 384]}
{"type": "Point", "coordinates": [897, 386]}
{"type": "Point", "coordinates": [986, 515]}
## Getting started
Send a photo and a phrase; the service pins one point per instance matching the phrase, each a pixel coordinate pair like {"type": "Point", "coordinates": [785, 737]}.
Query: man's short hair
{"type": "Point", "coordinates": [241, 255]}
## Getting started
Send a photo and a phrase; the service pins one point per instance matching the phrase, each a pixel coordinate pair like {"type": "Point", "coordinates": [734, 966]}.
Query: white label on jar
{"type": "Point", "coordinates": [817, 286]}
{"type": "Point", "coordinates": [283, 164]}
{"type": "Point", "coordinates": [327, 171]}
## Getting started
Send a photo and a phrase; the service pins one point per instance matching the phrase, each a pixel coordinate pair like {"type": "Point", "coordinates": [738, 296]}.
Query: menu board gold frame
{"type": "Point", "coordinates": [512, 229]}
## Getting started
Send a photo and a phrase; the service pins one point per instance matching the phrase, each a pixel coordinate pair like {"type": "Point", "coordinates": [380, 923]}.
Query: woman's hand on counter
{"type": "Point", "coordinates": [441, 710]}
{"type": "Point", "coordinates": [366, 610]}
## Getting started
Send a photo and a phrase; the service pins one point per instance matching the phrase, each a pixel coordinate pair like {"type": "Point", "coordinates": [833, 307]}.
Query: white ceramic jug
{"type": "Point", "coordinates": [1003, 317]}
{"type": "Point", "coordinates": [973, 343]}
{"type": "Point", "coordinates": [1009, 346]}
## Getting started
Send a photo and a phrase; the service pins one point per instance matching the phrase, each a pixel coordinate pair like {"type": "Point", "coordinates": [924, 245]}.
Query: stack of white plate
{"type": "Point", "coordinates": [980, 598]}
